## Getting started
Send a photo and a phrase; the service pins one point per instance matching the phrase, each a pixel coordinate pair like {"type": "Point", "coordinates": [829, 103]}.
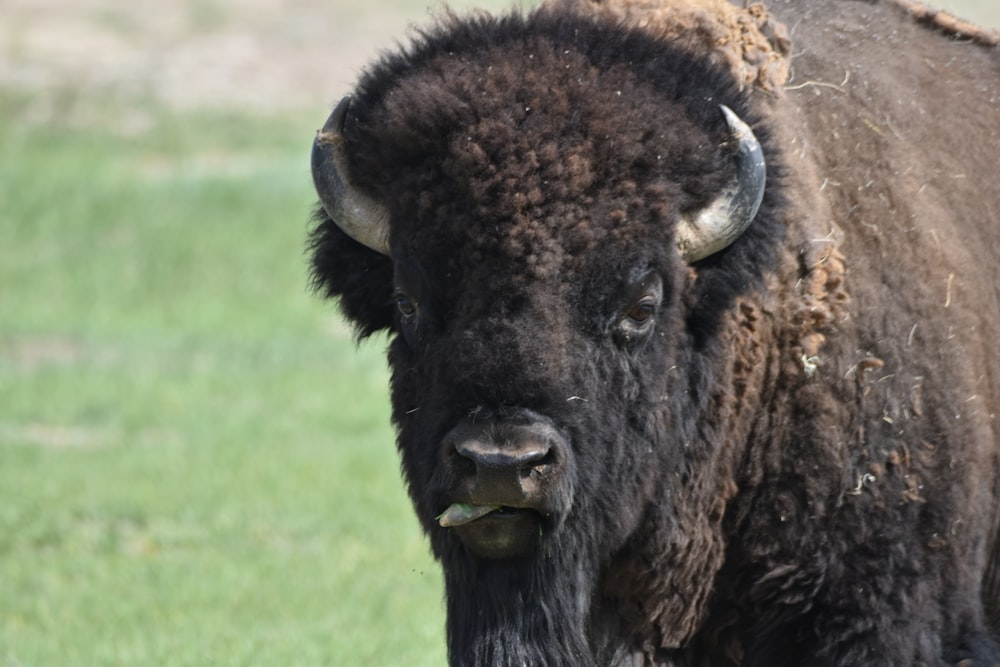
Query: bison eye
{"type": "Point", "coordinates": [636, 320]}
{"type": "Point", "coordinates": [642, 312]}
{"type": "Point", "coordinates": [406, 306]}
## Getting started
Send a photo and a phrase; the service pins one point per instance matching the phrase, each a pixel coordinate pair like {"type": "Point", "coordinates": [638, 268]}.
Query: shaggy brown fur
{"type": "Point", "coordinates": [785, 454]}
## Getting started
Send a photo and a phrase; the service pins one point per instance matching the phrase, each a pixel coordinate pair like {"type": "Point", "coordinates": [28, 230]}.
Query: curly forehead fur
{"type": "Point", "coordinates": [532, 141]}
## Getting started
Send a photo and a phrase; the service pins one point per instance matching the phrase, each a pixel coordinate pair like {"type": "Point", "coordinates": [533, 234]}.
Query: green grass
{"type": "Point", "coordinates": [196, 465]}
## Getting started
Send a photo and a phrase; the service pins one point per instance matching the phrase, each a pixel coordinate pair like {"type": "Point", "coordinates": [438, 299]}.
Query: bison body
{"type": "Point", "coordinates": [625, 452]}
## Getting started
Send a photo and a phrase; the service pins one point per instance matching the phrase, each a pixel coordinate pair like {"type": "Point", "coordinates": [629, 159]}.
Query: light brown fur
{"type": "Point", "coordinates": [748, 40]}
{"type": "Point", "coordinates": [949, 23]}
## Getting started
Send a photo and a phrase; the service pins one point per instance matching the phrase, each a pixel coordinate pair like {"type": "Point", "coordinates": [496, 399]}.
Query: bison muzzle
{"type": "Point", "coordinates": [510, 481]}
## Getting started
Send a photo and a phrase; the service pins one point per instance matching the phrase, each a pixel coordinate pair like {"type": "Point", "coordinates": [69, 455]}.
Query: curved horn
{"type": "Point", "coordinates": [358, 215]}
{"type": "Point", "coordinates": [722, 221]}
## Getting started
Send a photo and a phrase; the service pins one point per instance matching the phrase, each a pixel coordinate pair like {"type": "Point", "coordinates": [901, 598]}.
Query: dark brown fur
{"type": "Point", "coordinates": [799, 464]}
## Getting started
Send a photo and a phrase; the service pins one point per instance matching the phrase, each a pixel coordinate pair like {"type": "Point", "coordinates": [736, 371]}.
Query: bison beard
{"type": "Point", "coordinates": [686, 374]}
{"type": "Point", "coordinates": [522, 612]}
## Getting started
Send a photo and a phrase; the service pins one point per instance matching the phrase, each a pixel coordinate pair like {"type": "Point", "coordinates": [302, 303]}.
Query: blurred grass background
{"type": "Point", "coordinates": [196, 465]}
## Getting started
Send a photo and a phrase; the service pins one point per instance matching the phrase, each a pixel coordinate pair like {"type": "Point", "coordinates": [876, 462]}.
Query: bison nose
{"type": "Point", "coordinates": [515, 465]}
{"type": "Point", "coordinates": [487, 456]}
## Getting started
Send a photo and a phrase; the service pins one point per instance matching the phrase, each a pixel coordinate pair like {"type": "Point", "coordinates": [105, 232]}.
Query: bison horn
{"type": "Point", "coordinates": [357, 215]}
{"type": "Point", "coordinates": [722, 221]}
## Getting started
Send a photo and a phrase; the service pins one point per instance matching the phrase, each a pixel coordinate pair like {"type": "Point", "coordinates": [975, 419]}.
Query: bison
{"type": "Point", "coordinates": [689, 366]}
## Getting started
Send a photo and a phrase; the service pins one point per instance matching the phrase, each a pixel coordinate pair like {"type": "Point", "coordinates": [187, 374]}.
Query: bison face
{"type": "Point", "coordinates": [523, 399]}
{"type": "Point", "coordinates": [524, 218]}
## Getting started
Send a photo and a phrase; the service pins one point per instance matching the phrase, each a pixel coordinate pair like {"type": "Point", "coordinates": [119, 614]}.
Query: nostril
{"type": "Point", "coordinates": [549, 460]}
{"type": "Point", "coordinates": [463, 465]}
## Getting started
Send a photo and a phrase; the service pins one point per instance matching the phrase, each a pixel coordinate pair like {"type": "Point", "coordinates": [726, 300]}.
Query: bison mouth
{"type": "Point", "coordinates": [494, 531]}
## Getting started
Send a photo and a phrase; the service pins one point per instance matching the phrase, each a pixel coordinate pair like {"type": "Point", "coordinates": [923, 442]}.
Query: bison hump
{"type": "Point", "coordinates": [750, 42]}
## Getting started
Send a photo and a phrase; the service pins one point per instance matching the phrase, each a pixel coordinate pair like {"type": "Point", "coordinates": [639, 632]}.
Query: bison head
{"type": "Point", "coordinates": [548, 216]}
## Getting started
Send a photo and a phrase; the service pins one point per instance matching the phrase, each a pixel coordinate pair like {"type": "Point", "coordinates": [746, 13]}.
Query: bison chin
{"type": "Point", "coordinates": [520, 611]}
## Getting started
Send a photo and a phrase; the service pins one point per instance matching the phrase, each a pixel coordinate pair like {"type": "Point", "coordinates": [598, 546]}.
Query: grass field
{"type": "Point", "coordinates": [196, 465]}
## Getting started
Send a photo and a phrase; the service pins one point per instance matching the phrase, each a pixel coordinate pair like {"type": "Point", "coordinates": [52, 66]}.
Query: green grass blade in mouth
{"type": "Point", "coordinates": [460, 514]}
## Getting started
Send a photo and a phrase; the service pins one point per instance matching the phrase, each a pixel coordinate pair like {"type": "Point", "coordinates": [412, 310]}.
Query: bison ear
{"type": "Point", "coordinates": [359, 276]}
